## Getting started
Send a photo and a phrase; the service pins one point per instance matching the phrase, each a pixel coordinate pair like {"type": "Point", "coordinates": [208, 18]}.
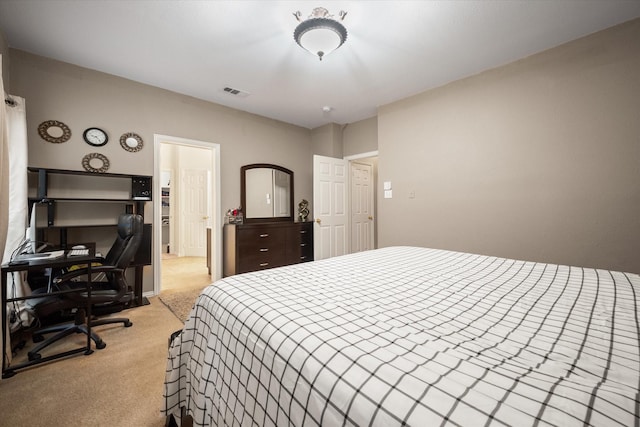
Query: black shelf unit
{"type": "Point", "coordinates": [131, 195]}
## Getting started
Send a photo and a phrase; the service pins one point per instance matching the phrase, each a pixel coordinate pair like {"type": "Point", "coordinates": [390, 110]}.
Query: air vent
{"type": "Point", "coordinates": [236, 92]}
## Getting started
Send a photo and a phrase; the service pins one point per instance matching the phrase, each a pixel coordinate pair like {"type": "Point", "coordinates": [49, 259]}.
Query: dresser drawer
{"type": "Point", "coordinates": [255, 240]}
{"type": "Point", "coordinates": [260, 249]}
{"type": "Point", "coordinates": [251, 247]}
{"type": "Point", "coordinates": [306, 242]}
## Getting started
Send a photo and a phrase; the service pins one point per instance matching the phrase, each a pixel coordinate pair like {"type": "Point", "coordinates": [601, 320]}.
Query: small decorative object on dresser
{"type": "Point", "coordinates": [234, 216]}
{"type": "Point", "coordinates": [303, 210]}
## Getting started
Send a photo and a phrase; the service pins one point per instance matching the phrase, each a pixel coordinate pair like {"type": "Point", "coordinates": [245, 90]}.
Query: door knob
{"type": "Point", "coordinates": [318, 220]}
{"type": "Point", "coordinates": [370, 218]}
{"type": "Point", "coordinates": [205, 217]}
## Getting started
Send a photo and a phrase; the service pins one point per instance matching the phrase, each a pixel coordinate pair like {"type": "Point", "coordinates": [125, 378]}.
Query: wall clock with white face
{"type": "Point", "coordinates": [95, 136]}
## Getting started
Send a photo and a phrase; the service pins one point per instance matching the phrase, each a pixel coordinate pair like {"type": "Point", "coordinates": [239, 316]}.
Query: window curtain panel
{"type": "Point", "coordinates": [13, 198]}
{"type": "Point", "coordinates": [16, 125]}
{"type": "Point", "coordinates": [4, 192]}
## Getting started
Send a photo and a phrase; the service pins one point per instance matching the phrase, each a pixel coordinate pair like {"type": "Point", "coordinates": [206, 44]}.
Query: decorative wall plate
{"type": "Point", "coordinates": [95, 162]}
{"type": "Point", "coordinates": [131, 142]}
{"type": "Point", "coordinates": [54, 131]}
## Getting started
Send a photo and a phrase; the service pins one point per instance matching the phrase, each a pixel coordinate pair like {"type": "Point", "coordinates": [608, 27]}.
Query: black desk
{"type": "Point", "coordinates": [39, 264]}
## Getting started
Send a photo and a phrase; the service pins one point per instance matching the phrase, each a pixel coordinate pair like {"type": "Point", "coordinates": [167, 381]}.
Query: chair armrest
{"type": "Point", "coordinates": [84, 271]}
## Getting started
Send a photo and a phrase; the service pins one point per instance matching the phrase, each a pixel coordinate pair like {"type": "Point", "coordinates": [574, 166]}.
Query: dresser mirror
{"type": "Point", "coordinates": [266, 193]}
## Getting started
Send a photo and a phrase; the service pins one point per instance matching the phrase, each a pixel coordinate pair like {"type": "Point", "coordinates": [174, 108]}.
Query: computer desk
{"type": "Point", "coordinates": [39, 264]}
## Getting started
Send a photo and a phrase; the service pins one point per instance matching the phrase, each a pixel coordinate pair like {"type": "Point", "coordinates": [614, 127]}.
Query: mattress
{"type": "Point", "coordinates": [411, 336]}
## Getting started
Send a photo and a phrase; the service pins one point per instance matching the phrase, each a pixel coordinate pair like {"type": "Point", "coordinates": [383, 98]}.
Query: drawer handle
{"type": "Point", "coordinates": [303, 244]}
{"type": "Point", "coordinates": [264, 235]}
{"type": "Point", "coordinates": [303, 231]}
{"type": "Point", "coordinates": [264, 264]}
{"type": "Point", "coordinates": [264, 249]}
{"type": "Point", "coordinates": [303, 257]}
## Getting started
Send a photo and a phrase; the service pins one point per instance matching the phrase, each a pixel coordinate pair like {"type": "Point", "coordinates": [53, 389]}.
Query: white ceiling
{"type": "Point", "coordinates": [394, 49]}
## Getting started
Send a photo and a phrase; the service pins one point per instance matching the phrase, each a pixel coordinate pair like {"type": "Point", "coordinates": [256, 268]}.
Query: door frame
{"type": "Point", "coordinates": [214, 205]}
{"type": "Point", "coordinates": [356, 157]}
{"type": "Point", "coordinates": [349, 159]}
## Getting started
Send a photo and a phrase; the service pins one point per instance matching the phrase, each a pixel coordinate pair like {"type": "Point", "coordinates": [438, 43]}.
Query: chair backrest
{"type": "Point", "coordinates": [127, 241]}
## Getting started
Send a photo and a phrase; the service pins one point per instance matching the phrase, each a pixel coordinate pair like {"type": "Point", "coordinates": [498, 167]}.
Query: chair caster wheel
{"type": "Point", "coordinates": [34, 356]}
{"type": "Point", "coordinates": [100, 345]}
{"type": "Point", "coordinates": [37, 338]}
{"type": "Point", "coordinates": [128, 324]}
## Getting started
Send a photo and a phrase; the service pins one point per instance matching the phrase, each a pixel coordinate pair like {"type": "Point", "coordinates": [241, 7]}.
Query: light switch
{"type": "Point", "coordinates": [387, 185]}
{"type": "Point", "coordinates": [388, 194]}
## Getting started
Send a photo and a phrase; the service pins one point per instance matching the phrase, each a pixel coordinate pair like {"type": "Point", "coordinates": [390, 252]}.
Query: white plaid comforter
{"type": "Point", "coordinates": [411, 336]}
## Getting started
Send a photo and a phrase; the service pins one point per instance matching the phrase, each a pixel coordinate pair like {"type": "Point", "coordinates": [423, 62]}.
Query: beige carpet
{"type": "Point", "coordinates": [182, 273]}
{"type": "Point", "coordinates": [183, 278]}
{"type": "Point", "coordinates": [120, 385]}
{"type": "Point", "coordinates": [180, 302]}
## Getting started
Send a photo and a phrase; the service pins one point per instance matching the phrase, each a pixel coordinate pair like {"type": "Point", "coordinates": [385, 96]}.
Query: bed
{"type": "Point", "coordinates": [411, 336]}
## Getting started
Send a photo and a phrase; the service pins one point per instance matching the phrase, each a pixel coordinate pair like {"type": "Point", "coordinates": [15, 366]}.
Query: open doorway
{"type": "Point", "coordinates": [186, 205]}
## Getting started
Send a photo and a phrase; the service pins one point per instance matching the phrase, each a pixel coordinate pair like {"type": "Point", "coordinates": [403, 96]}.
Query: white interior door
{"type": "Point", "coordinates": [362, 220]}
{"type": "Point", "coordinates": [194, 212]}
{"type": "Point", "coordinates": [330, 207]}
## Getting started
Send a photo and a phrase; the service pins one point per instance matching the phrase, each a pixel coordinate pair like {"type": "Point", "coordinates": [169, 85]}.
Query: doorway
{"type": "Point", "coordinates": [344, 204]}
{"type": "Point", "coordinates": [187, 248]}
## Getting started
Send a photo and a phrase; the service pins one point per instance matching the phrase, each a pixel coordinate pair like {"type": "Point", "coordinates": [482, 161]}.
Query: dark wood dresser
{"type": "Point", "coordinates": [257, 246]}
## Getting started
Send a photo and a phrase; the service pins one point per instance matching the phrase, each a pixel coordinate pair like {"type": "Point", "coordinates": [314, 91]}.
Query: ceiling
{"type": "Point", "coordinates": [394, 49]}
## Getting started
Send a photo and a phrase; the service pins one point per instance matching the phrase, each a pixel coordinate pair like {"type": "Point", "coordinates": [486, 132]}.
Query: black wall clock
{"type": "Point", "coordinates": [95, 136]}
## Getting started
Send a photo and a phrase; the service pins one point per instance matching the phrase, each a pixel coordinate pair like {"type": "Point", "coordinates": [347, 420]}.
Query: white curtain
{"type": "Point", "coordinates": [13, 197]}
{"type": "Point", "coordinates": [16, 124]}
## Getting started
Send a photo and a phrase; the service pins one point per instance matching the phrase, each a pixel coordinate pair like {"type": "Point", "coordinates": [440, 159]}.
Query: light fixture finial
{"type": "Point", "coordinates": [320, 34]}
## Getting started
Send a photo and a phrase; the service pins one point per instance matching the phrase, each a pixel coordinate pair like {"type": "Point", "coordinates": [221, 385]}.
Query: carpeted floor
{"type": "Point", "coordinates": [118, 386]}
{"type": "Point", "coordinates": [182, 273]}
{"type": "Point", "coordinates": [183, 278]}
{"type": "Point", "coordinates": [180, 302]}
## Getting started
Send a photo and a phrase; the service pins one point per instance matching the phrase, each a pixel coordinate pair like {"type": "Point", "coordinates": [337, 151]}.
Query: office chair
{"type": "Point", "coordinates": [104, 294]}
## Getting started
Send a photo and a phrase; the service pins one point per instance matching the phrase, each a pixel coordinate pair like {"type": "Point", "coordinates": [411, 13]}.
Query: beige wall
{"type": "Point", "coordinates": [534, 160]}
{"type": "Point", "coordinates": [538, 160]}
{"type": "Point", "coordinates": [327, 140]}
{"type": "Point", "coordinates": [81, 98]}
{"type": "Point", "coordinates": [360, 137]}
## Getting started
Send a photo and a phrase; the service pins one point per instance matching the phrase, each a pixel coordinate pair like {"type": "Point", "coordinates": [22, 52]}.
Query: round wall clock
{"type": "Point", "coordinates": [95, 162]}
{"type": "Point", "coordinates": [54, 131]}
{"type": "Point", "coordinates": [95, 136]}
{"type": "Point", "coordinates": [131, 142]}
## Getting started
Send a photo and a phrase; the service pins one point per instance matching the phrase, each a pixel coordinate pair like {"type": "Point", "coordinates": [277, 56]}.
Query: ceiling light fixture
{"type": "Point", "coordinates": [320, 34]}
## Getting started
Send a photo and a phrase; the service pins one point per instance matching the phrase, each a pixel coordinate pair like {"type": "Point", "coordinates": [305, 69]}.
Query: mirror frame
{"type": "Point", "coordinates": [243, 193]}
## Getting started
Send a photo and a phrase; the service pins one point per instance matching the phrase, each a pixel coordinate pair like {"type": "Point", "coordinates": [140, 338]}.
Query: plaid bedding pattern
{"type": "Point", "coordinates": [411, 336]}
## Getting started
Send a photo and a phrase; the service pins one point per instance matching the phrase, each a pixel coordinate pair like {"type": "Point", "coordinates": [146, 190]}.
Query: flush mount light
{"type": "Point", "coordinates": [320, 34]}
